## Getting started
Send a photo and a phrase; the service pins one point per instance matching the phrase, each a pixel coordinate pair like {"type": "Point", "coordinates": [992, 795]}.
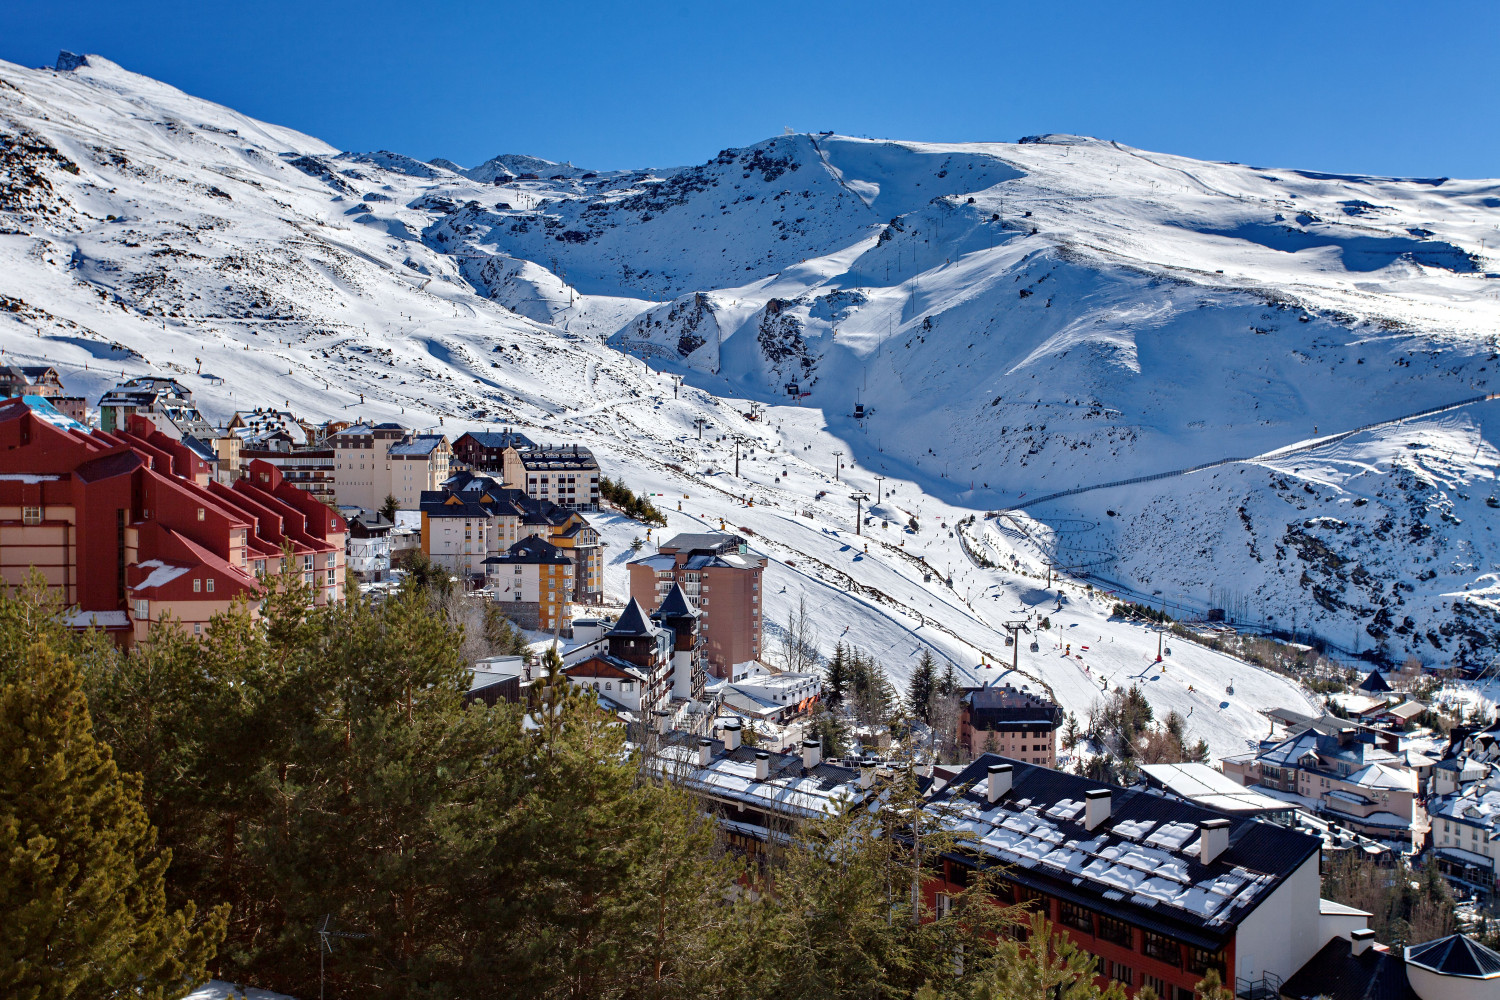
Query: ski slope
{"type": "Point", "coordinates": [1017, 318]}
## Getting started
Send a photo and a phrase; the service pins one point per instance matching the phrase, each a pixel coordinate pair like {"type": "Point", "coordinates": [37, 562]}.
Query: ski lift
{"type": "Point", "coordinates": [1035, 646]}
{"type": "Point", "coordinates": [859, 411]}
{"type": "Point", "coordinates": [793, 389]}
{"type": "Point", "coordinates": [1010, 640]}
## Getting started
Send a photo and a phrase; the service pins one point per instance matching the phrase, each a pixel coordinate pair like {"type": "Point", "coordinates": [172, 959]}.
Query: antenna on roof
{"type": "Point", "coordinates": [325, 945]}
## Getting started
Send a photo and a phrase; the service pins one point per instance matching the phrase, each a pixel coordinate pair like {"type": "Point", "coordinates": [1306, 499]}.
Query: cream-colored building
{"type": "Point", "coordinates": [361, 463]}
{"type": "Point", "coordinates": [371, 463]}
{"type": "Point", "coordinates": [416, 464]}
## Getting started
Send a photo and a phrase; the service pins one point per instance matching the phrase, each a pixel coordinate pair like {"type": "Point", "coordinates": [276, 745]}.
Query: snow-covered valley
{"type": "Point", "coordinates": [1015, 320]}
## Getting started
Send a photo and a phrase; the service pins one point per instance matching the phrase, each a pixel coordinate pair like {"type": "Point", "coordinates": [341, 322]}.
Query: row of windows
{"type": "Point", "coordinates": [1155, 946]}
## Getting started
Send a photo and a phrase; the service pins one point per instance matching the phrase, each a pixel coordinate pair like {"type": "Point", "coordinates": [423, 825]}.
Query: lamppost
{"type": "Point", "coordinates": [837, 463]}
{"type": "Point", "coordinates": [879, 481]}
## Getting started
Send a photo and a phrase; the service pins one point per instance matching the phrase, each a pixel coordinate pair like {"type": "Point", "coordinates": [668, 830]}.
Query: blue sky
{"type": "Point", "coordinates": [1372, 87]}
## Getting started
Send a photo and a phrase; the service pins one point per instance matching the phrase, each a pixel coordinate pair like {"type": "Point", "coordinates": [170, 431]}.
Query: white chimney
{"type": "Point", "coordinates": [1095, 807]}
{"type": "Point", "coordinates": [705, 752]}
{"type": "Point", "coordinates": [1360, 941]}
{"type": "Point", "coordinates": [812, 752]}
{"type": "Point", "coordinates": [998, 784]}
{"type": "Point", "coordinates": [867, 774]}
{"type": "Point", "coordinates": [1213, 839]}
{"type": "Point", "coordinates": [762, 765]}
{"type": "Point", "coordinates": [662, 719]}
{"type": "Point", "coordinates": [731, 736]}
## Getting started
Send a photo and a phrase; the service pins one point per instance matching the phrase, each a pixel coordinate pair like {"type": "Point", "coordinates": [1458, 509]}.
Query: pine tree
{"type": "Point", "coordinates": [948, 684]}
{"type": "Point", "coordinates": [1070, 734]}
{"type": "Point", "coordinates": [81, 881]}
{"type": "Point", "coordinates": [389, 508]}
{"type": "Point", "coordinates": [1046, 966]}
{"type": "Point", "coordinates": [836, 679]}
{"type": "Point", "coordinates": [922, 686]}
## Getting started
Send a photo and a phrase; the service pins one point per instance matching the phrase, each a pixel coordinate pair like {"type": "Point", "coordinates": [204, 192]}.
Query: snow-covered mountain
{"type": "Point", "coordinates": [1018, 320]}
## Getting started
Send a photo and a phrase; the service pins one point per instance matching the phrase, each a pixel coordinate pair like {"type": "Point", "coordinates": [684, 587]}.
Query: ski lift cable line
{"type": "Point", "coordinates": [1283, 452]}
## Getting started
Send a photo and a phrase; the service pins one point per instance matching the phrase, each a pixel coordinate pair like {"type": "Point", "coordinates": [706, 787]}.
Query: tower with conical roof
{"type": "Point", "coordinates": [688, 666]}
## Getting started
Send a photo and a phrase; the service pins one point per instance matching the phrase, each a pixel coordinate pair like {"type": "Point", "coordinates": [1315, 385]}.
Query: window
{"type": "Point", "coordinates": [1161, 948]}
{"type": "Point", "coordinates": [143, 610]}
{"type": "Point", "coordinates": [31, 515]}
{"type": "Point", "coordinates": [1121, 973]}
{"type": "Point", "coordinates": [1200, 961]}
{"type": "Point", "coordinates": [943, 905]}
{"type": "Point", "coordinates": [210, 585]}
{"type": "Point", "coordinates": [1077, 917]}
{"type": "Point", "coordinates": [197, 585]}
{"type": "Point", "coordinates": [1115, 931]}
{"type": "Point", "coordinates": [1158, 985]}
{"type": "Point", "coordinates": [200, 513]}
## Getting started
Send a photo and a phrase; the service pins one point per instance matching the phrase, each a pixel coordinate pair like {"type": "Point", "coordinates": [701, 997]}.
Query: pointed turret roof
{"type": "Point", "coordinates": [1375, 682]}
{"type": "Point", "coordinates": [1455, 955]}
{"type": "Point", "coordinates": [675, 605]}
{"type": "Point", "coordinates": [632, 623]}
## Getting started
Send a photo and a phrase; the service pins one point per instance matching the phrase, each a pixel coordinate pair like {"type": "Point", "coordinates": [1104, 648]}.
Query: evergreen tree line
{"type": "Point", "coordinates": [626, 502]}
{"type": "Point", "coordinates": [206, 804]}
{"type": "Point", "coordinates": [1124, 730]}
{"type": "Point", "coordinates": [1406, 906]}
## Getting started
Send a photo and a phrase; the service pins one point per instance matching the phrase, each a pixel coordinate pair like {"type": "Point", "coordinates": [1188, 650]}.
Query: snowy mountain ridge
{"type": "Point", "coordinates": [1018, 319]}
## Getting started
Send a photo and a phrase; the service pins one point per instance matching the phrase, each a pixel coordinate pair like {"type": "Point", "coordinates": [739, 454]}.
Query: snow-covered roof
{"type": "Point", "coordinates": [421, 445]}
{"type": "Point", "coordinates": [1383, 776]}
{"type": "Point", "coordinates": [1141, 863]}
{"type": "Point", "coordinates": [789, 789]}
{"type": "Point", "coordinates": [1208, 787]}
{"type": "Point", "coordinates": [160, 575]}
{"type": "Point", "coordinates": [96, 619]}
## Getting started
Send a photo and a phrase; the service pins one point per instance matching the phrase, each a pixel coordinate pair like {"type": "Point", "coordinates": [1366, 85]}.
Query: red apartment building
{"type": "Point", "coordinates": [1160, 891]}
{"type": "Point", "coordinates": [722, 579]}
{"type": "Point", "coordinates": [128, 526]}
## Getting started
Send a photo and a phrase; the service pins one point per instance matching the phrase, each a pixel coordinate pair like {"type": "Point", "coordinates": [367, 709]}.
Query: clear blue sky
{"type": "Point", "coordinates": [1373, 87]}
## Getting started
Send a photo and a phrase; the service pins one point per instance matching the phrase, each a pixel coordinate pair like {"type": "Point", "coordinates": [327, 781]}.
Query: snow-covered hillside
{"type": "Point", "coordinates": [1017, 319]}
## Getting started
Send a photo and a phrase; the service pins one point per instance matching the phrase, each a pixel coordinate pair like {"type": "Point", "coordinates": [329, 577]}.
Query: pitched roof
{"type": "Point", "coordinates": [501, 439]}
{"type": "Point", "coordinates": [1337, 973]}
{"type": "Point", "coordinates": [633, 622]}
{"type": "Point", "coordinates": [1142, 863]}
{"type": "Point", "coordinates": [422, 444]}
{"type": "Point", "coordinates": [1005, 704]}
{"type": "Point", "coordinates": [675, 605]}
{"type": "Point", "coordinates": [530, 550]}
{"type": "Point", "coordinates": [1456, 955]}
{"type": "Point", "coordinates": [1375, 681]}
{"type": "Point", "coordinates": [788, 789]}
{"type": "Point", "coordinates": [714, 542]}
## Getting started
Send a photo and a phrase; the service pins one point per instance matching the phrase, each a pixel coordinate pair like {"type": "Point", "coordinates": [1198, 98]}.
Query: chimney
{"type": "Point", "coordinates": [998, 784]}
{"type": "Point", "coordinates": [812, 752]}
{"type": "Point", "coordinates": [867, 774]}
{"type": "Point", "coordinates": [731, 736]}
{"type": "Point", "coordinates": [762, 765]}
{"type": "Point", "coordinates": [1360, 941]}
{"type": "Point", "coordinates": [661, 722]}
{"type": "Point", "coordinates": [1213, 839]}
{"type": "Point", "coordinates": [705, 751]}
{"type": "Point", "coordinates": [1095, 808]}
